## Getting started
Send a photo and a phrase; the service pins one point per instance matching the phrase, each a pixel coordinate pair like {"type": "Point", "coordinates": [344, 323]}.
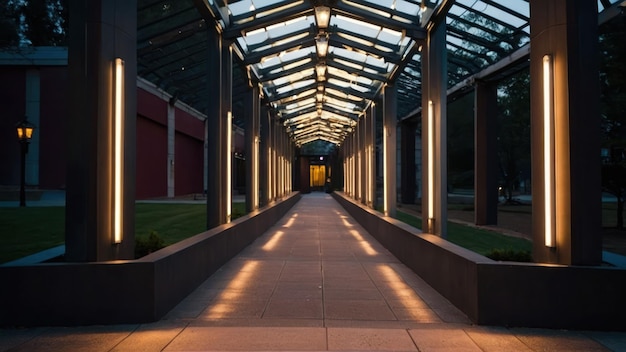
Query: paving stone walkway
{"type": "Point", "coordinates": [316, 281]}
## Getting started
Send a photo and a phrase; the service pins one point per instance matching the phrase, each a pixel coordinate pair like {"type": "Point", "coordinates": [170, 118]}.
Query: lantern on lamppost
{"type": "Point", "coordinates": [24, 134]}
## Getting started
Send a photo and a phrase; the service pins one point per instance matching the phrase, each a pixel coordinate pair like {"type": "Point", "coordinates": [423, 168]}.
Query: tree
{"type": "Point", "coordinates": [613, 111]}
{"type": "Point", "coordinates": [33, 23]}
{"type": "Point", "coordinates": [45, 22]}
{"type": "Point", "coordinates": [9, 19]}
{"type": "Point", "coordinates": [514, 131]}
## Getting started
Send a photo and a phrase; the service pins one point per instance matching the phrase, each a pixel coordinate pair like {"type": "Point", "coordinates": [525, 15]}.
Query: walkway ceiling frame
{"type": "Point", "coordinates": [370, 43]}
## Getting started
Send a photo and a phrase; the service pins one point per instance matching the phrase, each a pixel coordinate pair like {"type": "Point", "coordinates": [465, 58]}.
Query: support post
{"type": "Point", "coordinates": [434, 151]}
{"type": "Point", "coordinates": [564, 132]}
{"type": "Point", "coordinates": [371, 155]}
{"type": "Point", "coordinates": [264, 160]}
{"type": "Point", "coordinates": [389, 150]}
{"type": "Point", "coordinates": [214, 127]}
{"type": "Point", "coordinates": [252, 120]}
{"type": "Point", "coordinates": [485, 154]}
{"type": "Point", "coordinates": [100, 195]}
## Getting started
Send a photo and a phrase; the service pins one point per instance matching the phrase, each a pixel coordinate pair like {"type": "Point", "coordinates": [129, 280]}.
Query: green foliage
{"type": "Point", "coordinates": [514, 131]}
{"type": "Point", "coordinates": [25, 231]}
{"type": "Point", "coordinates": [28, 230]}
{"type": "Point", "coordinates": [461, 142]}
{"type": "Point", "coordinates": [484, 241]}
{"type": "Point", "coordinates": [613, 111]}
{"type": "Point", "coordinates": [478, 240]}
{"type": "Point", "coordinates": [145, 246]}
{"type": "Point", "coordinates": [9, 36]}
{"type": "Point", "coordinates": [33, 22]}
{"type": "Point", "coordinates": [510, 255]}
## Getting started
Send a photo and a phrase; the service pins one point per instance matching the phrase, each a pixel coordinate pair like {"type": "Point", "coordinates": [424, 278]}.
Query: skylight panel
{"type": "Point", "coordinates": [296, 64]}
{"type": "Point", "coordinates": [350, 54]}
{"type": "Point", "coordinates": [356, 26]}
{"type": "Point", "coordinates": [295, 54]}
{"type": "Point", "coordinates": [292, 78]}
{"type": "Point", "coordinates": [339, 83]}
{"type": "Point", "coordinates": [407, 7]}
{"type": "Point", "coordinates": [240, 7]}
{"type": "Point", "coordinates": [263, 4]}
{"type": "Point", "coordinates": [370, 60]}
{"type": "Point", "coordinates": [292, 26]}
{"type": "Point", "coordinates": [301, 104]}
{"type": "Point", "coordinates": [295, 85]}
{"type": "Point", "coordinates": [390, 36]}
{"type": "Point", "coordinates": [370, 9]}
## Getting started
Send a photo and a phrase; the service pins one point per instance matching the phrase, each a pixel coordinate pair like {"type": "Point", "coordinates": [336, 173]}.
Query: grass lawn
{"type": "Point", "coordinates": [25, 231]}
{"type": "Point", "coordinates": [478, 240]}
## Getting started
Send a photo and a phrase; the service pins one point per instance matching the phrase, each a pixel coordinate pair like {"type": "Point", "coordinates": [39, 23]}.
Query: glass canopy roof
{"type": "Point", "coordinates": [321, 63]}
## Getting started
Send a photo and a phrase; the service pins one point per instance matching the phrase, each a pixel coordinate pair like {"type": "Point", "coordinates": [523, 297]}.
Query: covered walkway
{"type": "Point", "coordinates": [315, 281]}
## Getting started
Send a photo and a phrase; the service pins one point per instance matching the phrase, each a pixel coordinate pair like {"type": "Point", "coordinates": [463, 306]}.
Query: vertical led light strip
{"type": "Point", "coordinates": [431, 167]}
{"type": "Point", "coordinates": [229, 169]}
{"type": "Point", "coordinates": [385, 175]}
{"type": "Point", "coordinates": [118, 158]}
{"type": "Point", "coordinates": [255, 176]}
{"type": "Point", "coordinates": [368, 177]}
{"type": "Point", "coordinates": [548, 151]}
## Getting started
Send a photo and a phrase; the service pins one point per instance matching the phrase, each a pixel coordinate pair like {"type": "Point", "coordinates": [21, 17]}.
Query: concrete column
{"type": "Point", "coordinates": [100, 205]}
{"type": "Point", "coordinates": [389, 149]}
{"type": "Point", "coordinates": [434, 151]}
{"type": "Point", "coordinates": [485, 154]}
{"type": "Point", "coordinates": [565, 33]}
{"type": "Point", "coordinates": [363, 160]}
{"type": "Point", "coordinates": [407, 156]}
{"type": "Point", "coordinates": [171, 148]}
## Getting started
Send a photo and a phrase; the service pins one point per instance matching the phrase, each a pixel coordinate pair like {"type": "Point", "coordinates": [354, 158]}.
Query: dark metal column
{"type": "Point", "coordinates": [355, 164]}
{"type": "Point", "coordinates": [226, 155]}
{"type": "Point", "coordinates": [252, 149]}
{"type": "Point", "coordinates": [485, 154]}
{"type": "Point", "coordinates": [371, 155]}
{"type": "Point", "coordinates": [363, 158]}
{"type": "Point", "coordinates": [564, 34]}
{"type": "Point", "coordinates": [407, 157]}
{"type": "Point", "coordinates": [434, 150]}
{"type": "Point", "coordinates": [100, 31]}
{"type": "Point", "coordinates": [214, 129]}
{"type": "Point", "coordinates": [264, 160]}
{"type": "Point", "coordinates": [389, 147]}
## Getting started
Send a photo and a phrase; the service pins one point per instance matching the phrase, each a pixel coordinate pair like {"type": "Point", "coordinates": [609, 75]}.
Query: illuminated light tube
{"type": "Point", "coordinates": [548, 152]}
{"type": "Point", "coordinates": [255, 176]}
{"type": "Point", "coordinates": [229, 171]}
{"type": "Point", "coordinates": [385, 175]}
{"type": "Point", "coordinates": [431, 168]}
{"type": "Point", "coordinates": [118, 157]}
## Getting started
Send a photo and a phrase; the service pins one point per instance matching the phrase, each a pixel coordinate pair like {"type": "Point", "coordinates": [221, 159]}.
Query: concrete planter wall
{"type": "Point", "coordinates": [135, 291]}
{"type": "Point", "coordinates": [503, 293]}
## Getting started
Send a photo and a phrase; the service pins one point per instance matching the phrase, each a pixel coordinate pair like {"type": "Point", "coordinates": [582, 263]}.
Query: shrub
{"type": "Point", "coordinates": [145, 246]}
{"type": "Point", "coordinates": [510, 255]}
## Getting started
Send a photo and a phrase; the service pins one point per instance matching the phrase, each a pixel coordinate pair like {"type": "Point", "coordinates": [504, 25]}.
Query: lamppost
{"type": "Point", "coordinates": [24, 134]}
